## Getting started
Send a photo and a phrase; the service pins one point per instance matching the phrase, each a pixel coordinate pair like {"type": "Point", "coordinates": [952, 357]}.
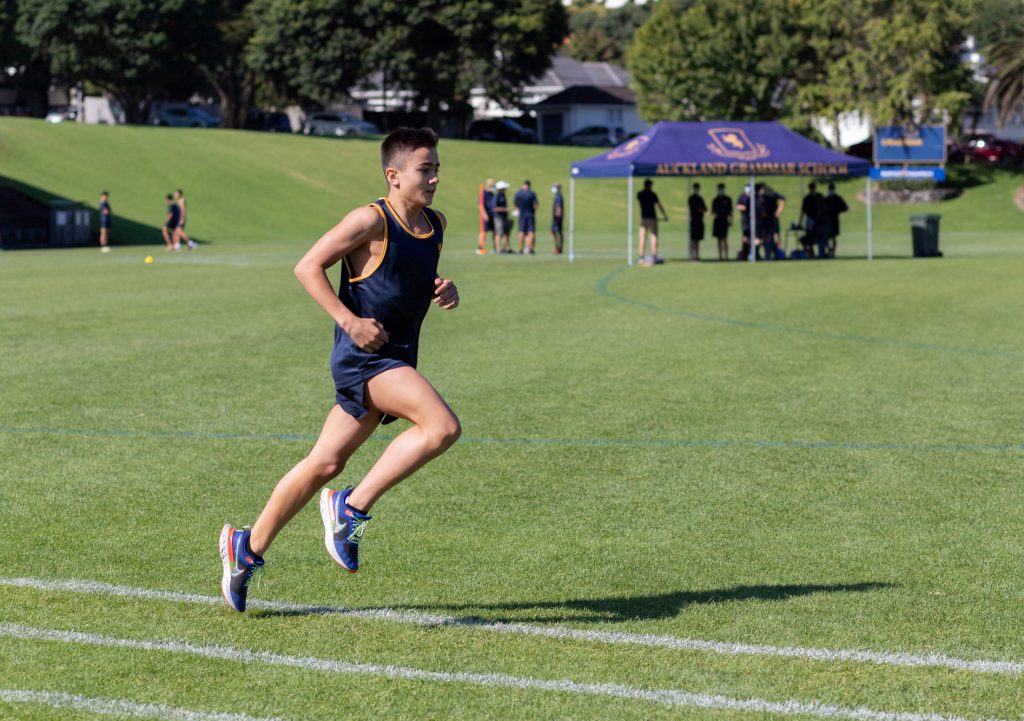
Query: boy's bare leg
{"type": "Point", "coordinates": [654, 244]}
{"type": "Point", "coordinates": [643, 239]}
{"type": "Point", "coordinates": [341, 436]}
{"type": "Point", "coordinates": [521, 237]}
{"type": "Point", "coordinates": [404, 393]}
{"type": "Point", "coordinates": [167, 238]}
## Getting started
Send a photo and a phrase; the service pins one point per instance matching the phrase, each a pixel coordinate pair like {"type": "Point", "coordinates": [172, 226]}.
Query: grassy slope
{"type": "Point", "coordinates": [664, 497]}
{"type": "Point", "coordinates": [255, 187]}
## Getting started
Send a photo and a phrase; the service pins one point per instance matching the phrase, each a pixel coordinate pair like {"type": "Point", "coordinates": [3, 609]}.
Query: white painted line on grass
{"type": "Point", "coordinates": [880, 658]}
{"type": "Point", "coordinates": [119, 707]}
{"type": "Point", "coordinates": [669, 697]}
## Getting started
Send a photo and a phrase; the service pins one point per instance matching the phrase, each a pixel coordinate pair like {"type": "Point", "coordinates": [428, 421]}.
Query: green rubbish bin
{"type": "Point", "coordinates": [924, 230]}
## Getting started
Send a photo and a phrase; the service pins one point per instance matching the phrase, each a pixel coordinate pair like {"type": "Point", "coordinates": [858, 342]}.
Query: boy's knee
{"type": "Point", "coordinates": [444, 434]}
{"type": "Point", "coordinates": [325, 468]}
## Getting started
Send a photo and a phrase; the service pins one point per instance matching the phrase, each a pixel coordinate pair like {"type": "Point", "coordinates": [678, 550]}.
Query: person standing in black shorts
{"type": "Point", "coordinates": [105, 219]}
{"type": "Point", "coordinates": [649, 203]}
{"type": "Point", "coordinates": [697, 211]}
{"type": "Point", "coordinates": [526, 203]}
{"type": "Point", "coordinates": [721, 211]}
{"type": "Point", "coordinates": [557, 216]}
{"type": "Point", "coordinates": [170, 229]}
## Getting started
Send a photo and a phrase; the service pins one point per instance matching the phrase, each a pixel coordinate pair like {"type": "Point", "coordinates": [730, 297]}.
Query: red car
{"type": "Point", "coordinates": [987, 149]}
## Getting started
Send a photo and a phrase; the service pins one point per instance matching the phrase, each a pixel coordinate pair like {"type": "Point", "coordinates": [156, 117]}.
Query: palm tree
{"type": "Point", "coordinates": [1005, 90]}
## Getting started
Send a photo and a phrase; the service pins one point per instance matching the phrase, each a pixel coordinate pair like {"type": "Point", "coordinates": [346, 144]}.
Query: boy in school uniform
{"type": "Point", "coordinates": [105, 222]}
{"type": "Point", "coordinates": [170, 229]}
{"type": "Point", "coordinates": [388, 253]}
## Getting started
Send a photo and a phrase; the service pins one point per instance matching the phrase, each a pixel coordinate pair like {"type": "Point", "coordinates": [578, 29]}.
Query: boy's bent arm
{"type": "Point", "coordinates": [356, 229]}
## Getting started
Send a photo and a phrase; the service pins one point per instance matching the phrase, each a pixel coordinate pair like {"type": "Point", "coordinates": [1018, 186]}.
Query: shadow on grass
{"type": "Point", "coordinates": [123, 232]}
{"type": "Point", "coordinates": [612, 609]}
{"type": "Point", "coordinates": [655, 606]}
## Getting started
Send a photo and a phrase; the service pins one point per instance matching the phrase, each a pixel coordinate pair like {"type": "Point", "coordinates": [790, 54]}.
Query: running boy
{"type": "Point", "coordinates": [388, 252]}
{"type": "Point", "coordinates": [170, 229]}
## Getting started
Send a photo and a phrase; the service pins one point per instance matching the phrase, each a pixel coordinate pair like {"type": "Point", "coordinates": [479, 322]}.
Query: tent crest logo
{"type": "Point", "coordinates": [734, 143]}
{"type": "Point", "coordinates": [629, 148]}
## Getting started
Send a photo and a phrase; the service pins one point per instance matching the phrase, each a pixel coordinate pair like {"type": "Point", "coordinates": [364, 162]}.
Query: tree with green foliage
{"type": "Point", "coordinates": [219, 57]}
{"type": "Point", "coordinates": [307, 50]}
{"type": "Point", "coordinates": [603, 34]}
{"type": "Point", "coordinates": [716, 59]}
{"type": "Point", "coordinates": [314, 51]}
{"type": "Point", "coordinates": [1005, 91]}
{"type": "Point", "coordinates": [894, 61]}
{"type": "Point", "coordinates": [135, 50]}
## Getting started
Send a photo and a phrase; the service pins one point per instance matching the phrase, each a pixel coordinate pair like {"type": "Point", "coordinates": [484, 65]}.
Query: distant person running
{"type": "Point", "coordinates": [179, 197]}
{"type": "Point", "coordinates": [388, 252]}
{"type": "Point", "coordinates": [170, 228]}
{"type": "Point", "coordinates": [649, 203]}
{"type": "Point", "coordinates": [526, 203]}
{"type": "Point", "coordinates": [557, 216]}
{"type": "Point", "coordinates": [105, 218]}
{"type": "Point", "coordinates": [721, 212]}
{"type": "Point", "coordinates": [697, 210]}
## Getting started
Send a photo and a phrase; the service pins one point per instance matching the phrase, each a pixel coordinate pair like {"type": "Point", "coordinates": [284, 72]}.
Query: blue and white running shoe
{"type": "Point", "coordinates": [238, 566]}
{"type": "Point", "coordinates": [343, 528]}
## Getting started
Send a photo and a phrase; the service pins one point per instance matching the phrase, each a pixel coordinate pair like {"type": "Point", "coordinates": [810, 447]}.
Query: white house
{"type": "Point", "coordinates": [582, 106]}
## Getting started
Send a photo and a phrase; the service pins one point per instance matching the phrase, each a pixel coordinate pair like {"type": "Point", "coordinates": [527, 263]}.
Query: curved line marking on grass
{"type": "Point", "coordinates": [603, 290]}
{"type": "Point", "coordinates": [570, 442]}
{"type": "Point", "coordinates": [119, 707]}
{"type": "Point", "coordinates": [878, 658]}
{"type": "Point", "coordinates": [668, 697]}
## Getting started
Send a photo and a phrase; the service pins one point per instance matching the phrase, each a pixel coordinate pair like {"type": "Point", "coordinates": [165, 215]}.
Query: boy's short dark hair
{"type": "Point", "coordinates": [648, 183]}
{"type": "Point", "coordinates": [170, 197]}
{"type": "Point", "coordinates": [397, 146]}
{"type": "Point", "coordinates": [104, 193]}
{"type": "Point", "coordinates": [696, 186]}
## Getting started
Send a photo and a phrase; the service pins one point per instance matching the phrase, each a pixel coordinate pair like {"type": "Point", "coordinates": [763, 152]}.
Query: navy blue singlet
{"type": "Point", "coordinates": [397, 291]}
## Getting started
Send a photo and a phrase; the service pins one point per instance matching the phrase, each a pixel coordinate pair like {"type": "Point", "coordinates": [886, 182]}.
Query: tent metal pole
{"type": "Point", "coordinates": [753, 214]}
{"type": "Point", "coordinates": [629, 217]}
{"type": "Point", "coordinates": [870, 231]}
{"type": "Point", "coordinates": [572, 215]}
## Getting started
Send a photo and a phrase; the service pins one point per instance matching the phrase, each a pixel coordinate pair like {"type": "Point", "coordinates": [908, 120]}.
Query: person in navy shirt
{"type": "Point", "coordinates": [557, 216]}
{"type": "Point", "coordinates": [170, 228]}
{"type": "Point", "coordinates": [502, 228]}
{"type": "Point", "coordinates": [487, 217]}
{"type": "Point", "coordinates": [105, 219]}
{"type": "Point", "coordinates": [721, 213]}
{"type": "Point", "coordinates": [697, 211]}
{"type": "Point", "coordinates": [388, 253]}
{"type": "Point", "coordinates": [526, 203]}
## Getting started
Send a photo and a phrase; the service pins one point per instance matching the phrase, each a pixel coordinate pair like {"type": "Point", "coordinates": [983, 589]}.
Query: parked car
{"type": "Point", "coordinates": [62, 114]}
{"type": "Point", "coordinates": [185, 116]}
{"type": "Point", "coordinates": [502, 130]}
{"type": "Point", "coordinates": [338, 124]}
{"type": "Point", "coordinates": [986, 148]}
{"type": "Point", "coordinates": [268, 121]}
{"type": "Point", "coordinates": [597, 136]}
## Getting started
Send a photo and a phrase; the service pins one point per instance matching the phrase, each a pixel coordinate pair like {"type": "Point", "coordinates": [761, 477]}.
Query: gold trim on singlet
{"type": "Point", "coordinates": [383, 251]}
{"type": "Point", "coordinates": [406, 227]}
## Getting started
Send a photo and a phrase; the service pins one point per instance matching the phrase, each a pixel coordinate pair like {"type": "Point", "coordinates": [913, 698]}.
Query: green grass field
{"type": "Point", "coordinates": [690, 491]}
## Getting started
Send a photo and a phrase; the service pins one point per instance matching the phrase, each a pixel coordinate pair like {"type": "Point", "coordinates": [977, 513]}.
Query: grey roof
{"type": "Point", "coordinates": [566, 72]}
{"type": "Point", "coordinates": [590, 95]}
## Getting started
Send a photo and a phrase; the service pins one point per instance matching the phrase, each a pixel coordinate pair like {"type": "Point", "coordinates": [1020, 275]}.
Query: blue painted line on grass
{"type": "Point", "coordinates": [569, 442]}
{"type": "Point", "coordinates": [604, 290]}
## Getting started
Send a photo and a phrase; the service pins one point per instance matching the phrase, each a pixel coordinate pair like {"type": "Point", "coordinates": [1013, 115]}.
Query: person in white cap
{"type": "Point", "coordinates": [501, 229]}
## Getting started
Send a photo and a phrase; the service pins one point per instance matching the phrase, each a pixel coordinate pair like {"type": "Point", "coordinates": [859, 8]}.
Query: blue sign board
{"type": "Point", "coordinates": [895, 144]}
{"type": "Point", "coordinates": [917, 173]}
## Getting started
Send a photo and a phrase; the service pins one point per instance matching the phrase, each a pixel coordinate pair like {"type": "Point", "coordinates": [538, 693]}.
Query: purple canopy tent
{"type": "Point", "coordinates": [714, 148]}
